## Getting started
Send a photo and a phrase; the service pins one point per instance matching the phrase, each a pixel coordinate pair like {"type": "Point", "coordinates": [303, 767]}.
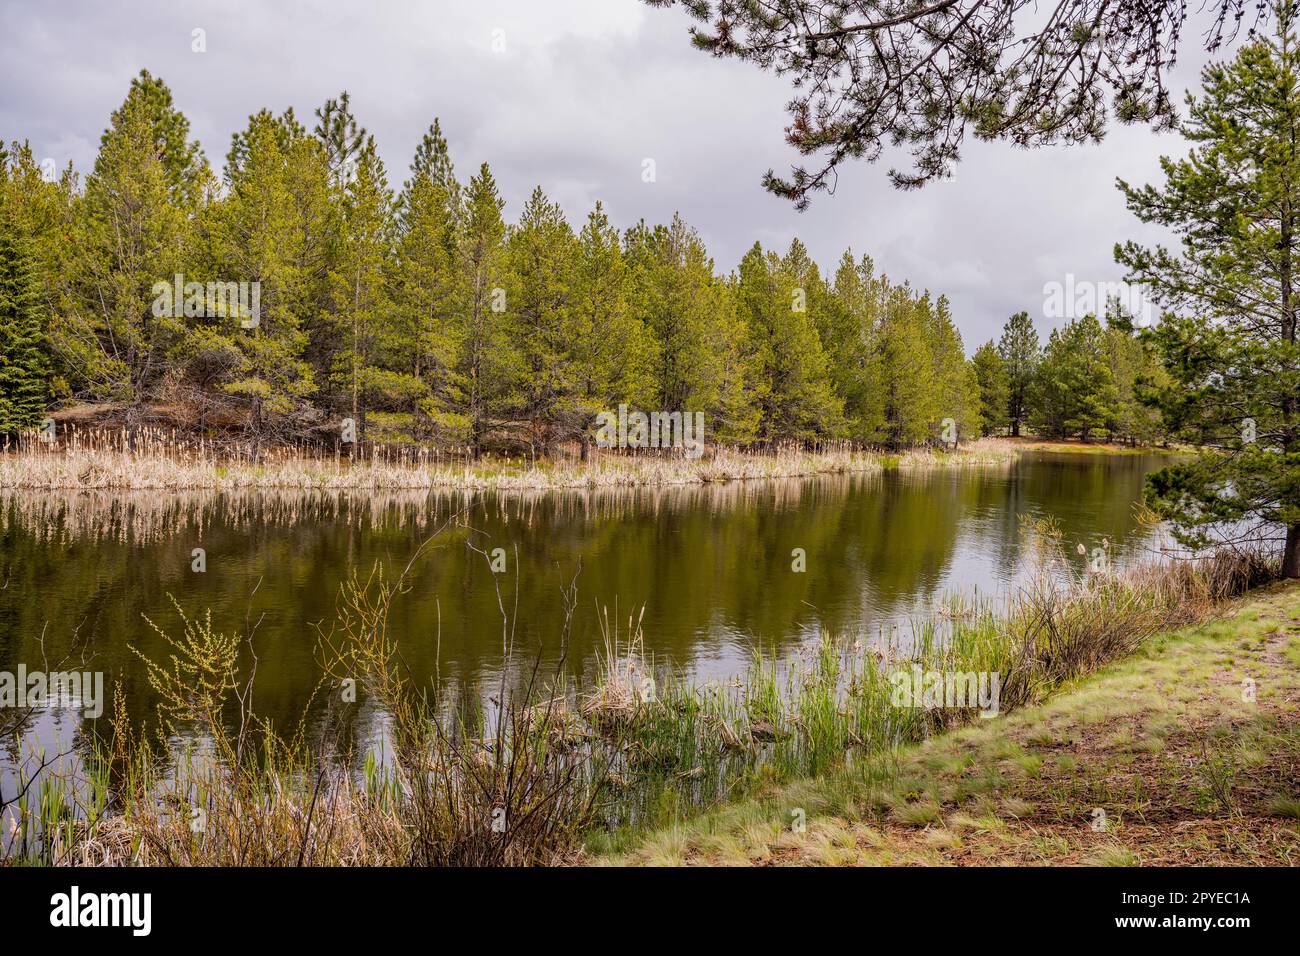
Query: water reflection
{"type": "Point", "coordinates": [712, 565]}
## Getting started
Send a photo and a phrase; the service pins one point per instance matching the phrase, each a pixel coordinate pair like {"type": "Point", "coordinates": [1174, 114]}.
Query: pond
{"type": "Point", "coordinates": [709, 571]}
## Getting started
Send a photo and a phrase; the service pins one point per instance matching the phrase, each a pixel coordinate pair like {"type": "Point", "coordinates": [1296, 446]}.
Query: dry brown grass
{"type": "Point", "coordinates": [158, 459]}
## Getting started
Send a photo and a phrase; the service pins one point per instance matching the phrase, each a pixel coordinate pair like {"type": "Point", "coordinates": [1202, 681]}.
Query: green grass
{"type": "Point", "coordinates": [693, 746]}
{"type": "Point", "coordinates": [1199, 777]}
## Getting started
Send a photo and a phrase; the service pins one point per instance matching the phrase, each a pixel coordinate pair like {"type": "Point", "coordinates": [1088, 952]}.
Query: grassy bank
{"type": "Point", "coordinates": [1162, 758]}
{"type": "Point", "coordinates": [1077, 447]}
{"type": "Point", "coordinates": [155, 460]}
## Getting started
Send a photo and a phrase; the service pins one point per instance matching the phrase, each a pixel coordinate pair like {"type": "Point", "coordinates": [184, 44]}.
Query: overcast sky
{"type": "Point", "coordinates": [574, 95]}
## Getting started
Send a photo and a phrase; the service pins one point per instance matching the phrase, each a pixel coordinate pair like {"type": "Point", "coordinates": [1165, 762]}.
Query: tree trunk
{"type": "Point", "coordinates": [1291, 556]}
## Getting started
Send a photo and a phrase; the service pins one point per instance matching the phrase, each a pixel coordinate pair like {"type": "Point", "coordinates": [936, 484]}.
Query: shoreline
{"type": "Point", "coordinates": [159, 466]}
{"type": "Point", "coordinates": [611, 770]}
{"type": "Point", "coordinates": [1052, 784]}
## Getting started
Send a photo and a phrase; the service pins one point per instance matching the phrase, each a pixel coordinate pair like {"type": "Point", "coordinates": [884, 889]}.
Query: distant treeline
{"type": "Point", "coordinates": [1091, 380]}
{"type": "Point", "coordinates": [421, 314]}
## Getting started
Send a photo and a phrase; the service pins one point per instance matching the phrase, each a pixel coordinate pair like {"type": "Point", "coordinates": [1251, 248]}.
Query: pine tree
{"type": "Point", "coordinates": [343, 139]}
{"type": "Point", "coordinates": [991, 380]}
{"type": "Point", "coordinates": [733, 413]}
{"type": "Point", "coordinates": [849, 321]}
{"type": "Point", "coordinates": [1229, 336]}
{"type": "Point", "coordinates": [792, 388]}
{"type": "Point", "coordinates": [45, 213]}
{"type": "Point", "coordinates": [259, 238]}
{"type": "Point", "coordinates": [23, 365]}
{"type": "Point", "coordinates": [672, 294]}
{"type": "Point", "coordinates": [612, 352]}
{"type": "Point", "coordinates": [909, 370]}
{"type": "Point", "coordinates": [1020, 354]}
{"type": "Point", "coordinates": [136, 230]}
{"type": "Point", "coordinates": [425, 312]}
{"type": "Point", "coordinates": [433, 163]}
{"type": "Point", "coordinates": [954, 397]}
{"type": "Point", "coordinates": [184, 168]}
{"type": "Point", "coordinates": [1137, 375]}
{"type": "Point", "coordinates": [539, 259]}
{"type": "Point", "coordinates": [1073, 392]}
{"type": "Point", "coordinates": [427, 289]}
{"type": "Point", "coordinates": [362, 314]}
{"type": "Point", "coordinates": [485, 344]}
